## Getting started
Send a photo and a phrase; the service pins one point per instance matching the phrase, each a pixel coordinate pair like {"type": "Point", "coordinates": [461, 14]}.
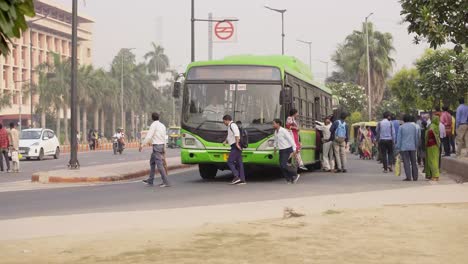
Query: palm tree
{"type": "Point", "coordinates": [351, 60]}
{"type": "Point", "coordinates": [157, 61]}
{"type": "Point", "coordinates": [54, 89]}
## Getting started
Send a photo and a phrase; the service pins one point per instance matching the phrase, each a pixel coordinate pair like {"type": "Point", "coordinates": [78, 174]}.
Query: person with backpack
{"type": "Point", "coordinates": [339, 136]}
{"type": "Point", "coordinates": [234, 162]}
{"type": "Point", "coordinates": [287, 149]}
{"type": "Point", "coordinates": [387, 138]}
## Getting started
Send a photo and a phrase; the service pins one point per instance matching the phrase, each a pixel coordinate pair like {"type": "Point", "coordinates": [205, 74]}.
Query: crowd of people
{"type": "Point", "coordinates": [418, 141]}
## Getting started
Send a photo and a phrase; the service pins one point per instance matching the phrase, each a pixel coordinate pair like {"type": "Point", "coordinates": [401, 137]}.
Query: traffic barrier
{"type": "Point", "coordinates": [100, 147]}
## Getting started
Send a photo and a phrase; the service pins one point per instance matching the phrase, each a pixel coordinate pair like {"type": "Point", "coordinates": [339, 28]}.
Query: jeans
{"type": "Point", "coordinates": [328, 159]}
{"type": "Point", "coordinates": [446, 143]}
{"type": "Point", "coordinates": [409, 162]}
{"type": "Point", "coordinates": [288, 172]}
{"type": "Point", "coordinates": [158, 160]}
{"type": "Point", "coordinates": [386, 150]}
{"type": "Point", "coordinates": [452, 143]}
{"type": "Point", "coordinates": [235, 163]}
{"type": "Point", "coordinates": [4, 154]}
{"type": "Point", "coordinates": [340, 155]}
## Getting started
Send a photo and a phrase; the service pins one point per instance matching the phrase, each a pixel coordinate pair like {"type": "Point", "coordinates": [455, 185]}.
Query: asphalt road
{"type": "Point", "coordinates": [189, 190]}
{"type": "Point", "coordinates": [28, 167]}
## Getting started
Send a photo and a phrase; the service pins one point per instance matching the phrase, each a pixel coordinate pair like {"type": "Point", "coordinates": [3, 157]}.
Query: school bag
{"type": "Point", "coordinates": [244, 137]}
{"type": "Point", "coordinates": [340, 133]}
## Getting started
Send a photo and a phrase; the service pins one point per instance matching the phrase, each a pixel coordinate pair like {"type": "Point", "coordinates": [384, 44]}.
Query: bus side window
{"type": "Point", "coordinates": [317, 108]}
{"type": "Point", "coordinates": [303, 113]}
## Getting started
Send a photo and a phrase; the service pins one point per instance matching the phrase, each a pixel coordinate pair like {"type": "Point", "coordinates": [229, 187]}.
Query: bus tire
{"type": "Point", "coordinates": [207, 171]}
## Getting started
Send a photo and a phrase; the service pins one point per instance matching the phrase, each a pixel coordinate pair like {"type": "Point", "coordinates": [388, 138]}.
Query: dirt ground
{"type": "Point", "coordinates": [391, 234]}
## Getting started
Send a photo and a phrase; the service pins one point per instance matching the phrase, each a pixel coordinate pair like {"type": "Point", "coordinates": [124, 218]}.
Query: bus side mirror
{"type": "Point", "coordinates": [176, 90]}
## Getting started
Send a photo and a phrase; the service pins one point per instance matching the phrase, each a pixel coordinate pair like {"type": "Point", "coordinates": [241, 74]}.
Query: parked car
{"type": "Point", "coordinates": [38, 143]}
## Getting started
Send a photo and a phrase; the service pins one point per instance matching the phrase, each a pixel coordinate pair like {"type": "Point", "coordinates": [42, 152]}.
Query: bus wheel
{"type": "Point", "coordinates": [207, 171]}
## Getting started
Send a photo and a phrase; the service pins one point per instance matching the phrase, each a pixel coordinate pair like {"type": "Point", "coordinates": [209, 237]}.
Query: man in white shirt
{"type": "Point", "coordinates": [157, 136]}
{"type": "Point", "coordinates": [287, 147]}
{"type": "Point", "coordinates": [327, 155]}
{"type": "Point", "coordinates": [234, 162]}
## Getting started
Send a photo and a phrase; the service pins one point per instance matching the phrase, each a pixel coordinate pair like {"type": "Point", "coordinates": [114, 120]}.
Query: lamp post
{"type": "Point", "coordinates": [326, 68]}
{"type": "Point", "coordinates": [310, 51]}
{"type": "Point", "coordinates": [122, 89]}
{"type": "Point", "coordinates": [31, 65]}
{"type": "Point", "coordinates": [369, 90]}
{"type": "Point", "coordinates": [281, 11]}
{"type": "Point", "coordinates": [192, 22]}
{"type": "Point", "coordinates": [73, 163]}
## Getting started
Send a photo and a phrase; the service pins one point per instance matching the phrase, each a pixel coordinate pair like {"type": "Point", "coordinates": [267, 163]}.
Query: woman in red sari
{"type": "Point", "coordinates": [293, 127]}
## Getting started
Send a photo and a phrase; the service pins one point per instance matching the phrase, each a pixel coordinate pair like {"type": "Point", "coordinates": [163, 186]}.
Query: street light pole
{"type": "Point", "coordinates": [193, 32]}
{"type": "Point", "coordinates": [74, 164]}
{"type": "Point", "coordinates": [310, 51]}
{"type": "Point", "coordinates": [369, 90]}
{"type": "Point", "coordinates": [281, 11]}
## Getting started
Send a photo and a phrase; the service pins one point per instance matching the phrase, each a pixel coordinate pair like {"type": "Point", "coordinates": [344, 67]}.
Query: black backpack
{"type": "Point", "coordinates": [244, 137]}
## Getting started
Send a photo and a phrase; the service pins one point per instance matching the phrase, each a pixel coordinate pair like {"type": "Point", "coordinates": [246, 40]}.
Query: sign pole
{"type": "Point", "coordinates": [210, 36]}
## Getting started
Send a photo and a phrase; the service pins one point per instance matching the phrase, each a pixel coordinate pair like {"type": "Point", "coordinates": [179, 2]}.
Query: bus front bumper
{"type": "Point", "coordinates": [208, 156]}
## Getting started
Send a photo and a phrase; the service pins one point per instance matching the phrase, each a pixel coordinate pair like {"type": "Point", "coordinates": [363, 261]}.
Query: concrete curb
{"type": "Point", "coordinates": [43, 177]}
{"type": "Point", "coordinates": [457, 168]}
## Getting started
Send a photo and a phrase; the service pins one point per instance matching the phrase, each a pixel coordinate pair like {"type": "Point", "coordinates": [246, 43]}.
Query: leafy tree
{"type": "Point", "coordinates": [405, 87]}
{"type": "Point", "coordinates": [13, 21]}
{"type": "Point", "coordinates": [355, 117]}
{"type": "Point", "coordinates": [391, 105]}
{"type": "Point", "coordinates": [351, 96]}
{"type": "Point", "coordinates": [437, 21]}
{"type": "Point", "coordinates": [443, 75]}
{"type": "Point", "coordinates": [351, 60]}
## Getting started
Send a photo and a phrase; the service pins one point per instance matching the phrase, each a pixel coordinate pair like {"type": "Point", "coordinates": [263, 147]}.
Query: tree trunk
{"type": "Point", "coordinates": [114, 121]}
{"type": "Point", "coordinates": [85, 124]}
{"type": "Point", "coordinates": [78, 120]}
{"type": "Point", "coordinates": [103, 122]}
{"type": "Point", "coordinates": [96, 118]}
{"type": "Point", "coordinates": [43, 119]}
{"type": "Point", "coordinates": [65, 124]}
{"type": "Point", "coordinates": [132, 118]}
{"type": "Point", "coordinates": [57, 130]}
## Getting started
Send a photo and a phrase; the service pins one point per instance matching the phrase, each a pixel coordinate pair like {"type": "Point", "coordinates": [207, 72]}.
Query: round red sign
{"type": "Point", "coordinates": [224, 30]}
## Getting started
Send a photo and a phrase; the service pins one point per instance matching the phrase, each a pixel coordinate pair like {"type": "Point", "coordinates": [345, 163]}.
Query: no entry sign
{"type": "Point", "coordinates": [224, 31]}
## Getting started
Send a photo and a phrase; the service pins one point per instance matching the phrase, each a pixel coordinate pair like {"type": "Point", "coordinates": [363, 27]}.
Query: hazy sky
{"type": "Point", "coordinates": [134, 24]}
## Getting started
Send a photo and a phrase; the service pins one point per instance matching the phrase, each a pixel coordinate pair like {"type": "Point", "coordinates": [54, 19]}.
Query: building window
{"type": "Point", "coordinates": [89, 52]}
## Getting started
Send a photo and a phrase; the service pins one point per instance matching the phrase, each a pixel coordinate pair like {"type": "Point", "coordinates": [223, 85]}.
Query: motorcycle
{"type": "Point", "coordinates": [117, 146]}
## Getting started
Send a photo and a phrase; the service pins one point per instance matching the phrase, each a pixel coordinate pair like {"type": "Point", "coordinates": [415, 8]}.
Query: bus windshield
{"type": "Point", "coordinates": [255, 105]}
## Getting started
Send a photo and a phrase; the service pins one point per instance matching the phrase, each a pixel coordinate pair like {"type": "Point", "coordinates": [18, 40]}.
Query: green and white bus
{"type": "Point", "coordinates": [254, 90]}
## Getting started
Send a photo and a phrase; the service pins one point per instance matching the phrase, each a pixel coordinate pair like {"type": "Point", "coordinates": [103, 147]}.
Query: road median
{"type": "Point", "coordinates": [103, 173]}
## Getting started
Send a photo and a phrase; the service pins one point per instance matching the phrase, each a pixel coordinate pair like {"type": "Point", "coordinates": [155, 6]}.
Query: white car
{"type": "Point", "coordinates": [38, 143]}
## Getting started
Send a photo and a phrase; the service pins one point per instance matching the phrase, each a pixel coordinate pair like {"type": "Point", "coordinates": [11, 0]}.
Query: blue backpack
{"type": "Point", "coordinates": [340, 132]}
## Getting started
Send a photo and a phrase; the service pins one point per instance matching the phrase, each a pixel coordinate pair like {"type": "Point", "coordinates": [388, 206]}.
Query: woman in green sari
{"type": "Point", "coordinates": [432, 150]}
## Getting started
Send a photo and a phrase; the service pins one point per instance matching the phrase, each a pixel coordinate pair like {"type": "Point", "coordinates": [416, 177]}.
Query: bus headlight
{"type": "Point", "coordinates": [267, 145]}
{"type": "Point", "coordinates": [191, 142]}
